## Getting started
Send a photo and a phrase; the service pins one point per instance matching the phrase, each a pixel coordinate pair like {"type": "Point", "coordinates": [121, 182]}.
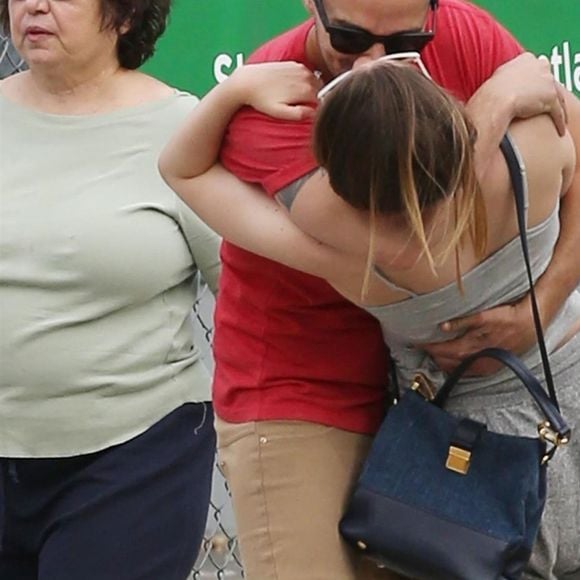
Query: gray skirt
{"type": "Point", "coordinates": [508, 408]}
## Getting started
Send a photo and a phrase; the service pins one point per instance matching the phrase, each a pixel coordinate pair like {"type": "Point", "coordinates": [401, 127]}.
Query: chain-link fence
{"type": "Point", "coordinates": [10, 61]}
{"type": "Point", "coordinates": [219, 557]}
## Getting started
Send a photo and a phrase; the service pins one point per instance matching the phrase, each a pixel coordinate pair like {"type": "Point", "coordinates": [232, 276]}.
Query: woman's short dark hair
{"type": "Point", "coordinates": [139, 24]}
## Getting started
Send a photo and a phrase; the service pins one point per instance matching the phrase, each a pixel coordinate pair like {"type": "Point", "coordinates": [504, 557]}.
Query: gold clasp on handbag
{"type": "Point", "coordinates": [422, 385]}
{"type": "Point", "coordinates": [458, 460]}
{"type": "Point", "coordinates": [548, 434]}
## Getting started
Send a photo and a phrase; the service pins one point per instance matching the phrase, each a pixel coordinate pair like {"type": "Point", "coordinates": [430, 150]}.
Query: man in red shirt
{"type": "Point", "coordinates": [301, 373]}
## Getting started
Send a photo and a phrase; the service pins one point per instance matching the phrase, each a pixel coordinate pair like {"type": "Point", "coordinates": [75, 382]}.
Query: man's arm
{"type": "Point", "coordinates": [511, 326]}
{"type": "Point", "coordinates": [500, 99]}
{"type": "Point", "coordinates": [563, 275]}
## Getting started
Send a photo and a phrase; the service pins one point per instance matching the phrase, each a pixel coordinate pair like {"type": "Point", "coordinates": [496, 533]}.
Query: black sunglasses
{"type": "Point", "coordinates": [352, 40]}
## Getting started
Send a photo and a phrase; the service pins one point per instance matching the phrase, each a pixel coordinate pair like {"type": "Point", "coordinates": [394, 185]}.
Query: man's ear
{"type": "Point", "coordinates": [309, 6]}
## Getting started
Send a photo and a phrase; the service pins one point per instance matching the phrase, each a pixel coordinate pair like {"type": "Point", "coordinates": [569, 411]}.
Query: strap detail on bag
{"type": "Point", "coordinates": [462, 443]}
{"type": "Point", "coordinates": [516, 168]}
{"type": "Point", "coordinates": [517, 172]}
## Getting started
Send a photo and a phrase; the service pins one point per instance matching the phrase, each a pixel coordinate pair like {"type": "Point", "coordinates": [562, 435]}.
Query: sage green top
{"type": "Point", "coordinates": [97, 262]}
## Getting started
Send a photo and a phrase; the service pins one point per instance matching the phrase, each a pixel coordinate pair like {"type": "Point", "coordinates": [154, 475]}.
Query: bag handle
{"type": "Point", "coordinates": [550, 411]}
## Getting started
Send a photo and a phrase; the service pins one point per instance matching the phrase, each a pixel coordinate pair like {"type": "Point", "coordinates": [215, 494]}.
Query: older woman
{"type": "Point", "coordinates": [106, 432]}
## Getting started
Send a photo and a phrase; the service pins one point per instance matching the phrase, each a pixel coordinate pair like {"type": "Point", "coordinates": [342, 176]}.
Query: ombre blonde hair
{"type": "Point", "coordinates": [393, 141]}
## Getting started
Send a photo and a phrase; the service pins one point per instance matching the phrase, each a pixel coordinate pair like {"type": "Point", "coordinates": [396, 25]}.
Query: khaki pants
{"type": "Point", "coordinates": [289, 482]}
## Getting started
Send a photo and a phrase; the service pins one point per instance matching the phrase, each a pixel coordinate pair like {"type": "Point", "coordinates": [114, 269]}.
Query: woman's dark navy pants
{"type": "Point", "coordinates": [135, 511]}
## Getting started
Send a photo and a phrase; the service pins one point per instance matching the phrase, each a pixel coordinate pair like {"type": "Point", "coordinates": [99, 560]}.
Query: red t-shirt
{"type": "Point", "coordinates": [287, 346]}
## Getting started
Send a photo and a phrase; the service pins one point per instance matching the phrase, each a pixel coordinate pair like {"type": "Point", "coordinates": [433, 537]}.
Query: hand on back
{"type": "Point", "coordinates": [528, 82]}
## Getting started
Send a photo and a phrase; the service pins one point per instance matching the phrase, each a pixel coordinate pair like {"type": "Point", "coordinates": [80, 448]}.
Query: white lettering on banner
{"type": "Point", "coordinates": [565, 65]}
{"type": "Point", "coordinates": [223, 65]}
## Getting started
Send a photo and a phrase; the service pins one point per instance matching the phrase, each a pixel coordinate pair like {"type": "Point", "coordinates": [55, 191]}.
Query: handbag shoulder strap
{"type": "Point", "coordinates": [518, 179]}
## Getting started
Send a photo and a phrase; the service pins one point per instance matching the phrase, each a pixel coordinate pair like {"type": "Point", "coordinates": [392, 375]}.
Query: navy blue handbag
{"type": "Point", "coordinates": [442, 498]}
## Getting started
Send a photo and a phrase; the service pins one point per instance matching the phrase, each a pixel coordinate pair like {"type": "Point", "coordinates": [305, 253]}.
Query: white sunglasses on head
{"type": "Point", "coordinates": [413, 57]}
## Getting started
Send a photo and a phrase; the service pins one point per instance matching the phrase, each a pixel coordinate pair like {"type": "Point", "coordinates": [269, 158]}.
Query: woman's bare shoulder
{"type": "Point", "coordinates": [547, 156]}
{"type": "Point", "coordinates": [324, 215]}
{"type": "Point", "coordinates": [542, 148]}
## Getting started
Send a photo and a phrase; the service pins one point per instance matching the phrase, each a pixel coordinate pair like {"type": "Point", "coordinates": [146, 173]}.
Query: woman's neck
{"type": "Point", "coordinates": [71, 92]}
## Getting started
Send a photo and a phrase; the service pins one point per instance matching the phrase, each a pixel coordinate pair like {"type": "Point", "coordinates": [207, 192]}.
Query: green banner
{"type": "Point", "coordinates": [207, 39]}
{"type": "Point", "coordinates": [550, 28]}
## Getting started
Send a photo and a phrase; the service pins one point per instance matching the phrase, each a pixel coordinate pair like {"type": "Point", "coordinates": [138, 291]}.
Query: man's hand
{"type": "Point", "coordinates": [531, 89]}
{"type": "Point", "coordinates": [521, 88]}
{"type": "Point", "coordinates": [510, 326]}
